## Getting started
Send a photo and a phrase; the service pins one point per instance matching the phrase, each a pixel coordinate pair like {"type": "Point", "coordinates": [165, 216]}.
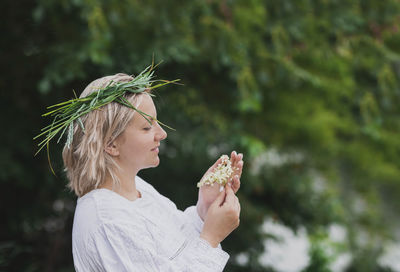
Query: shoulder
{"type": "Point", "coordinates": [102, 207]}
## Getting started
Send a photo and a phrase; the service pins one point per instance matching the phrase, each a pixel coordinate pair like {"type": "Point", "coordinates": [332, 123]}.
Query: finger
{"type": "Point", "coordinates": [239, 164]}
{"type": "Point", "coordinates": [236, 188]}
{"type": "Point", "coordinates": [220, 198]}
{"type": "Point", "coordinates": [238, 206]}
{"type": "Point", "coordinates": [236, 184]}
{"type": "Point", "coordinates": [237, 160]}
{"type": "Point", "coordinates": [236, 203]}
{"type": "Point", "coordinates": [237, 171]}
{"type": "Point", "coordinates": [233, 183]}
{"type": "Point", "coordinates": [239, 168]}
{"type": "Point", "coordinates": [233, 157]}
{"type": "Point", "coordinates": [230, 196]}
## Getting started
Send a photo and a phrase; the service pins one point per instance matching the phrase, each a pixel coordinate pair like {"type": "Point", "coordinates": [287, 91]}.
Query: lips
{"type": "Point", "coordinates": [155, 149]}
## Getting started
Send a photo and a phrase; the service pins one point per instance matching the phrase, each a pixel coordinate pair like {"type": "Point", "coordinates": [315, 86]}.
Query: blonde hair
{"type": "Point", "coordinates": [86, 163]}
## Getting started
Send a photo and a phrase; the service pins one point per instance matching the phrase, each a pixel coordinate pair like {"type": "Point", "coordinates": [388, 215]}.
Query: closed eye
{"type": "Point", "coordinates": [150, 126]}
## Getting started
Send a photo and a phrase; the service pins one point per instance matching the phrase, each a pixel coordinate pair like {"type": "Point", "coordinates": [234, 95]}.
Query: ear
{"type": "Point", "coordinates": [112, 149]}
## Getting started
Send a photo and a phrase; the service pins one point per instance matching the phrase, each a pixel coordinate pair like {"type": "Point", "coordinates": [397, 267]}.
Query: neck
{"type": "Point", "coordinates": [127, 187]}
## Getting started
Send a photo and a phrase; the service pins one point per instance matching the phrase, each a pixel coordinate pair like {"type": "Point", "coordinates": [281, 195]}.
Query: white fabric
{"type": "Point", "coordinates": [112, 233]}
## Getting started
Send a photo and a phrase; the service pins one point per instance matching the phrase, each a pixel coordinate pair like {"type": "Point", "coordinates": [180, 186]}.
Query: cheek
{"type": "Point", "coordinates": [131, 151]}
{"type": "Point", "coordinates": [138, 148]}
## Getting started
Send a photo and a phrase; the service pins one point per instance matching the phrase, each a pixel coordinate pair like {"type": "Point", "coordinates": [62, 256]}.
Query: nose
{"type": "Point", "coordinates": [161, 134]}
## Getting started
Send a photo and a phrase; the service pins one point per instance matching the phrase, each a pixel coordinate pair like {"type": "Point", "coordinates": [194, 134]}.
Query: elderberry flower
{"type": "Point", "coordinates": [221, 174]}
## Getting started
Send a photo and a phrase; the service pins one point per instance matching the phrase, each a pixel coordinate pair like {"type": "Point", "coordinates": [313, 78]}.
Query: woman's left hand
{"type": "Point", "coordinates": [208, 193]}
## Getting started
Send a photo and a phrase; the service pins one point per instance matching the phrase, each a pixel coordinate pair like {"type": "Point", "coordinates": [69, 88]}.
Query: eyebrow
{"type": "Point", "coordinates": [151, 118]}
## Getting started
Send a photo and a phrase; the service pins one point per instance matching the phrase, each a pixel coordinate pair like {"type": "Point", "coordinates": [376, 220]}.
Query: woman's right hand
{"type": "Point", "coordinates": [222, 217]}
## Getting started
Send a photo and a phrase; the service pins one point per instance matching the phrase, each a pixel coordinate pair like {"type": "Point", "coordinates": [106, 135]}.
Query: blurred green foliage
{"type": "Point", "coordinates": [307, 90]}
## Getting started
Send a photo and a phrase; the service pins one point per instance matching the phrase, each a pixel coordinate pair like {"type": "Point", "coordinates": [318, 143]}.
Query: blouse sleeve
{"type": "Point", "coordinates": [193, 224]}
{"type": "Point", "coordinates": [189, 220]}
{"type": "Point", "coordinates": [115, 248]}
{"type": "Point", "coordinates": [192, 218]}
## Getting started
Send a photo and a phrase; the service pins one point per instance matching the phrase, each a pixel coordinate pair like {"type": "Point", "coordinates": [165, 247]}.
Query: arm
{"type": "Point", "coordinates": [189, 220]}
{"type": "Point", "coordinates": [193, 219]}
{"type": "Point", "coordinates": [114, 248]}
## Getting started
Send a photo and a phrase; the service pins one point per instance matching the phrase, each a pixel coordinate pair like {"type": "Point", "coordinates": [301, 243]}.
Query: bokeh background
{"type": "Point", "coordinates": [308, 90]}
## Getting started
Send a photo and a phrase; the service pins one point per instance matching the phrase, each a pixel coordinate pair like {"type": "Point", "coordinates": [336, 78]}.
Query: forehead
{"type": "Point", "coordinates": [147, 106]}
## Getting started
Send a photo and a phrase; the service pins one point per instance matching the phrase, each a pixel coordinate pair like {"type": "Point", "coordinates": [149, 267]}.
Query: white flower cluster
{"type": "Point", "coordinates": [220, 175]}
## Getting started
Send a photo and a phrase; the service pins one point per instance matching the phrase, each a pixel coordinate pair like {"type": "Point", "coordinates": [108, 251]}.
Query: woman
{"type": "Point", "coordinates": [121, 222]}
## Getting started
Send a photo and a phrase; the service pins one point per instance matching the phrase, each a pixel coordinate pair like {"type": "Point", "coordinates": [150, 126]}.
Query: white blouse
{"type": "Point", "coordinates": [112, 233]}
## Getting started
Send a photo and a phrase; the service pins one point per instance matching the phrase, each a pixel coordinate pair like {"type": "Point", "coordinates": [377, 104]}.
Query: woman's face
{"type": "Point", "coordinates": [138, 144]}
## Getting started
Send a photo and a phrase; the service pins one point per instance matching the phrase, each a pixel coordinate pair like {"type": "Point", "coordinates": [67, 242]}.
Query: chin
{"type": "Point", "coordinates": [153, 164]}
{"type": "Point", "coordinates": [156, 163]}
